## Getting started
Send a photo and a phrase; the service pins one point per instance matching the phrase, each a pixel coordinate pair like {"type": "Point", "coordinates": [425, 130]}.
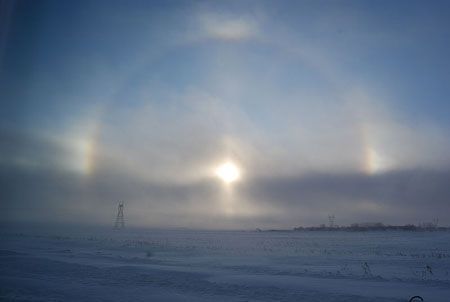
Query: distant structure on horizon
{"type": "Point", "coordinates": [120, 220]}
{"type": "Point", "coordinates": [377, 226]}
{"type": "Point", "coordinates": [331, 219]}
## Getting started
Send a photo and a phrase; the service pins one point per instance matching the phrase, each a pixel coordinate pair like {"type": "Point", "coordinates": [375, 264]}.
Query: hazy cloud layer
{"type": "Point", "coordinates": [49, 194]}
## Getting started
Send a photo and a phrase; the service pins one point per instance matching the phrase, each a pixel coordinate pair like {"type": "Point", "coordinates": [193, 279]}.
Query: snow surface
{"type": "Point", "coordinates": [182, 265]}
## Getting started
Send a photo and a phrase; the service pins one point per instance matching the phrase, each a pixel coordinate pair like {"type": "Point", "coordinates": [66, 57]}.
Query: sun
{"type": "Point", "coordinates": [228, 172]}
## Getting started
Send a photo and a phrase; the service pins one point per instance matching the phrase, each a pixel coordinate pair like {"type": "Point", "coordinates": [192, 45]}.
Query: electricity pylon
{"type": "Point", "coordinates": [331, 220]}
{"type": "Point", "coordinates": [120, 221]}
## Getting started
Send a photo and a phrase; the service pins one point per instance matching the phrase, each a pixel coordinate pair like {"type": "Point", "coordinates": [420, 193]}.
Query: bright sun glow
{"type": "Point", "coordinates": [228, 172]}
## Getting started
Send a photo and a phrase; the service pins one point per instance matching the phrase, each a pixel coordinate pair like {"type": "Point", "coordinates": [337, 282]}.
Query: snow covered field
{"type": "Point", "coordinates": [182, 265]}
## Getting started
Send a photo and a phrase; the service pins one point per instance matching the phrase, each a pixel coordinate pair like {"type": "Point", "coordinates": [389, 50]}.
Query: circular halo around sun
{"type": "Point", "coordinates": [228, 172]}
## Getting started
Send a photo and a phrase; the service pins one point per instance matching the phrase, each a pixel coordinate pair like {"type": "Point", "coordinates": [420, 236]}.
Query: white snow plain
{"type": "Point", "coordinates": [185, 265]}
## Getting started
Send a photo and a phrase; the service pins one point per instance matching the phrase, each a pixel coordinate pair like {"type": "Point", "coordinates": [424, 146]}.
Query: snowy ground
{"type": "Point", "coordinates": [224, 266]}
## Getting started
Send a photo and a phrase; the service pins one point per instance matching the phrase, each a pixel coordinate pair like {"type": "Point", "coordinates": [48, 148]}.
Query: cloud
{"type": "Point", "coordinates": [32, 151]}
{"type": "Point", "coordinates": [396, 197]}
{"type": "Point", "coordinates": [51, 195]}
{"type": "Point", "coordinates": [227, 27]}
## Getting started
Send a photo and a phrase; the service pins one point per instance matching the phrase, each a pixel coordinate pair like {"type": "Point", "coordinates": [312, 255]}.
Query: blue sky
{"type": "Point", "coordinates": [141, 100]}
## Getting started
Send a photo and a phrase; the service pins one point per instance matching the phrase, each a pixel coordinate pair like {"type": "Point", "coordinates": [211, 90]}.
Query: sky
{"type": "Point", "coordinates": [323, 107]}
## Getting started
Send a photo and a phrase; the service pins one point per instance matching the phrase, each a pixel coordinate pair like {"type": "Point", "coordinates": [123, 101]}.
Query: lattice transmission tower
{"type": "Point", "coordinates": [331, 219]}
{"type": "Point", "coordinates": [120, 221]}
